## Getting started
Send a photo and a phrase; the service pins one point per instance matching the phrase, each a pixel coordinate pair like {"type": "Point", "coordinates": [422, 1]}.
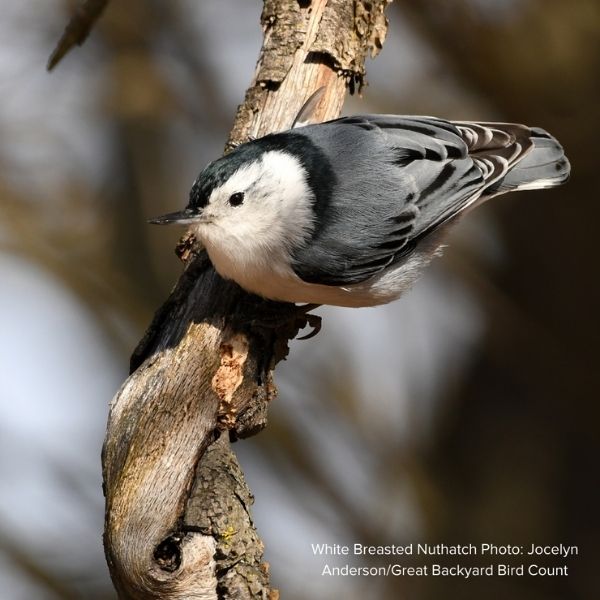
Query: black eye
{"type": "Point", "coordinates": [236, 199]}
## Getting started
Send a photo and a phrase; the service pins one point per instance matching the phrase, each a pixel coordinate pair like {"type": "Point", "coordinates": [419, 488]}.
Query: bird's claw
{"type": "Point", "coordinates": [313, 321]}
{"type": "Point", "coordinates": [296, 318]}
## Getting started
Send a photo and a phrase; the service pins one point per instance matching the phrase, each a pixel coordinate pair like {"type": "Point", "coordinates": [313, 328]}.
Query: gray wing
{"type": "Point", "coordinates": [393, 180]}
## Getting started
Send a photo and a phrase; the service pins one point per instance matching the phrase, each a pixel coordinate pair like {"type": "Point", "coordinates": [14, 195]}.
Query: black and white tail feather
{"type": "Point", "coordinates": [510, 157]}
{"type": "Point", "coordinates": [515, 157]}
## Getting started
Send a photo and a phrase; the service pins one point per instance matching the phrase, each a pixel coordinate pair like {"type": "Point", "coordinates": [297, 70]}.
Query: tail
{"type": "Point", "coordinates": [543, 166]}
{"type": "Point", "coordinates": [514, 157]}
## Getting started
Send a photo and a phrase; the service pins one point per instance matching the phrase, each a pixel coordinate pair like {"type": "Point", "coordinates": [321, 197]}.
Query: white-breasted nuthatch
{"type": "Point", "coordinates": [349, 211]}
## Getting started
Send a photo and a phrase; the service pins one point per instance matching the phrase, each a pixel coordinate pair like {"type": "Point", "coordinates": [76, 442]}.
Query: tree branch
{"type": "Point", "coordinates": [177, 507]}
{"type": "Point", "coordinates": [77, 29]}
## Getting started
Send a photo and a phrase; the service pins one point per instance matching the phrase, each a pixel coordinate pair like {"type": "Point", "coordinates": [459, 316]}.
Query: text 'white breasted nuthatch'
{"type": "Point", "coordinates": [349, 211]}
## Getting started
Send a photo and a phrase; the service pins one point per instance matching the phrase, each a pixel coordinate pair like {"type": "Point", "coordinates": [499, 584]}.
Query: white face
{"type": "Point", "coordinates": [263, 209]}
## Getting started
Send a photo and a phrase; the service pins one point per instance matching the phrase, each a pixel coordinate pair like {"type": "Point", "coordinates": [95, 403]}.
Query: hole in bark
{"type": "Point", "coordinates": [320, 58]}
{"type": "Point", "coordinates": [168, 553]}
{"type": "Point", "coordinates": [304, 3]}
{"type": "Point", "coordinates": [271, 86]}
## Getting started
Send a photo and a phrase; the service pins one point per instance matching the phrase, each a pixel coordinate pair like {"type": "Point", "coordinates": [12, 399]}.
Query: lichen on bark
{"type": "Point", "coordinates": [219, 506]}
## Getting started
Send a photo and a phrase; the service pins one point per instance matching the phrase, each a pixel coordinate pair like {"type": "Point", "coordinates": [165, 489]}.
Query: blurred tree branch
{"type": "Point", "coordinates": [177, 507]}
{"type": "Point", "coordinates": [77, 29]}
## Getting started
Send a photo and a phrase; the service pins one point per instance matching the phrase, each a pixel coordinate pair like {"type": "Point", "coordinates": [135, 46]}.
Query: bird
{"type": "Point", "coordinates": [349, 212]}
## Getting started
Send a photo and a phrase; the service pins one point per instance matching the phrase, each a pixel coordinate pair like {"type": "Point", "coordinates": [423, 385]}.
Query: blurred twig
{"type": "Point", "coordinates": [77, 29]}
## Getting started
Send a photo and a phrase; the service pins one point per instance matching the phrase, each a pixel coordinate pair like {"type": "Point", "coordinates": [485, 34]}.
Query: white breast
{"type": "Point", "coordinates": [272, 278]}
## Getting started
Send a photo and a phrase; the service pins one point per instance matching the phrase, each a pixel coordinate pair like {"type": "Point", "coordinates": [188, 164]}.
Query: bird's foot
{"type": "Point", "coordinates": [309, 320]}
{"type": "Point", "coordinates": [288, 318]}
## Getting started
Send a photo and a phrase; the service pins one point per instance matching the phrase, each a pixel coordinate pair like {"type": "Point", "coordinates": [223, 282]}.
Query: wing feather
{"type": "Point", "coordinates": [397, 179]}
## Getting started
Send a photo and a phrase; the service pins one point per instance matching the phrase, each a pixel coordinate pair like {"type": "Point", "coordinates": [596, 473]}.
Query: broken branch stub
{"type": "Point", "coordinates": [177, 507]}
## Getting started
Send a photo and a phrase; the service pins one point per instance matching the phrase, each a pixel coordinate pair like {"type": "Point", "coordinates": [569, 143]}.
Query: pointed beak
{"type": "Point", "coordinates": [182, 217]}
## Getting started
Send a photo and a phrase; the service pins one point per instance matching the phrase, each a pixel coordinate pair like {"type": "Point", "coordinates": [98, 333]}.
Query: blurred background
{"type": "Point", "coordinates": [466, 412]}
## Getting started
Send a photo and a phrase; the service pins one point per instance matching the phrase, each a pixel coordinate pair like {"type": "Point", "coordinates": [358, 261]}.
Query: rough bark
{"type": "Point", "coordinates": [177, 506]}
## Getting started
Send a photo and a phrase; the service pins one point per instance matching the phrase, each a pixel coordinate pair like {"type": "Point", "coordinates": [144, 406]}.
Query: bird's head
{"type": "Point", "coordinates": [256, 198]}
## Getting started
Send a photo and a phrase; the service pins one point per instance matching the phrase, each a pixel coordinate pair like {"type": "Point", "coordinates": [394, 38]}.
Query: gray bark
{"type": "Point", "coordinates": [177, 506]}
